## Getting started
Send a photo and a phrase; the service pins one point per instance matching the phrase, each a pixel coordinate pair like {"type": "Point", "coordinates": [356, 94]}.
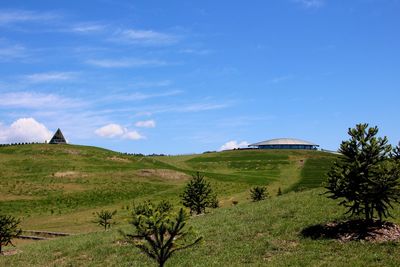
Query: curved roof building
{"type": "Point", "coordinates": [285, 143]}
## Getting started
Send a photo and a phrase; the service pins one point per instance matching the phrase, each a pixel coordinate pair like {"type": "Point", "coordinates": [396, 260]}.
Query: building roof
{"type": "Point", "coordinates": [283, 141]}
{"type": "Point", "coordinates": [58, 138]}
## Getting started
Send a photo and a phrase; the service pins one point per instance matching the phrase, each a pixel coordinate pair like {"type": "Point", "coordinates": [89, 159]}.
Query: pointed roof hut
{"type": "Point", "coordinates": [58, 138]}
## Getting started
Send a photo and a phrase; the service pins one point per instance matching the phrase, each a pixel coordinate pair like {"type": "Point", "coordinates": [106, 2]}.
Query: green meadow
{"type": "Point", "coordinates": [58, 188]}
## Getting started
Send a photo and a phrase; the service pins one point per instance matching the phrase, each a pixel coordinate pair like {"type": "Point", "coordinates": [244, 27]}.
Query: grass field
{"type": "Point", "coordinates": [266, 233]}
{"type": "Point", "coordinates": [58, 188]}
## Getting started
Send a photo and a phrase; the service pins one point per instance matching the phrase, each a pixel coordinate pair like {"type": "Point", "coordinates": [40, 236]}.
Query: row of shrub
{"type": "Point", "coordinates": [20, 144]}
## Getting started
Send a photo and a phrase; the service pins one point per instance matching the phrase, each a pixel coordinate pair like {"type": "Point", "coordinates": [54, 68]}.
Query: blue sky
{"type": "Point", "coordinates": [189, 76]}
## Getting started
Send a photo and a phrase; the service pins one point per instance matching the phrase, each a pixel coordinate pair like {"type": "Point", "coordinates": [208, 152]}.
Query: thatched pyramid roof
{"type": "Point", "coordinates": [58, 138]}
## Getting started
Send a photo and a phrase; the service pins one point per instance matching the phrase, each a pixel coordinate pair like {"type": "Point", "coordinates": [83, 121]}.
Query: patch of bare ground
{"type": "Point", "coordinates": [10, 197]}
{"type": "Point", "coordinates": [72, 151]}
{"type": "Point", "coordinates": [11, 252]}
{"type": "Point", "coordinates": [163, 174]}
{"type": "Point", "coordinates": [114, 158]}
{"type": "Point", "coordinates": [69, 174]}
{"type": "Point", "coordinates": [355, 230]}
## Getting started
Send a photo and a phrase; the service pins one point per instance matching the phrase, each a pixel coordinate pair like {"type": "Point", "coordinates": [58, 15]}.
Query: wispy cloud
{"type": "Point", "coordinates": [49, 77]}
{"type": "Point", "coordinates": [146, 84]}
{"type": "Point", "coordinates": [144, 37]}
{"type": "Point", "coordinates": [143, 96]}
{"type": "Point", "coordinates": [201, 52]}
{"type": "Point", "coordinates": [12, 52]}
{"type": "Point", "coordinates": [88, 28]}
{"type": "Point", "coordinates": [193, 107]}
{"type": "Point", "coordinates": [17, 16]}
{"type": "Point", "coordinates": [201, 107]}
{"type": "Point", "coordinates": [280, 79]}
{"type": "Point", "coordinates": [37, 101]}
{"type": "Point", "coordinates": [311, 3]}
{"type": "Point", "coordinates": [146, 124]}
{"type": "Point", "coordinates": [125, 63]}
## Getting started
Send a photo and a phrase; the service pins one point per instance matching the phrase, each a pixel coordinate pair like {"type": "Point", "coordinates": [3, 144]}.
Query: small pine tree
{"type": "Point", "coordinates": [159, 234]}
{"type": "Point", "coordinates": [279, 192]}
{"type": "Point", "coordinates": [198, 194]}
{"type": "Point", "coordinates": [258, 193]}
{"type": "Point", "coordinates": [365, 177]}
{"type": "Point", "coordinates": [104, 218]}
{"type": "Point", "coordinates": [8, 230]}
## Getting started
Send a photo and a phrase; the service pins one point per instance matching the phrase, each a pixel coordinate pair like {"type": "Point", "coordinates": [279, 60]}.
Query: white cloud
{"type": "Point", "coordinates": [234, 144]}
{"type": "Point", "coordinates": [110, 130]}
{"type": "Point", "coordinates": [125, 63]}
{"type": "Point", "coordinates": [49, 77]}
{"type": "Point", "coordinates": [24, 130]}
{"type": "Point", "coordinates": [16, 16]}
{"type": "Point", "coordinates": [145, 37]}
{"type": "Point", "coordinates": [133, 135]}
{"type": "Point", "coordinates": [311, 3]}
{"type": "Point", "coordinates": [146, 124]}
{"type": "Point", "coordinates": [37, 100]}
{"type": "Point", "coordinates": [113, 130]}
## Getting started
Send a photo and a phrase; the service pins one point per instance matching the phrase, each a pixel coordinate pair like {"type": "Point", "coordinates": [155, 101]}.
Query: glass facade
{"type": "Point", "coordinates": [308, 147]}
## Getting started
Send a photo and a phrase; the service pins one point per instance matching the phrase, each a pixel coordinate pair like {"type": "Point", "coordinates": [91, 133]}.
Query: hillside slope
{"type": "Point", "coordinates": [266, 233]}
{"type": "Point", "coordinates": [49, 186]}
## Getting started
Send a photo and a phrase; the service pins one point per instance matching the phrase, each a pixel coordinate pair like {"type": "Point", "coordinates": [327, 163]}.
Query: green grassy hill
{"type": "Point", "coordinates": [48, 185]}
{"type": "Point", "coordinates": [58, 188]}
{"type": "Point", "coordinates": [266, 233]}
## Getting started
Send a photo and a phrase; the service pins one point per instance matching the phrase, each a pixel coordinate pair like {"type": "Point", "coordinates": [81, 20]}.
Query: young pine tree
{"type": "Point", "coordinates": [8, 230]}
{"type": "Point", "coordinates": [365, 178]}
{"type": "Point", "coordinates": [198, 195]}
{"type": "Point", "coordinates": [104, 218]}
{"type": "Point", "coordinates": [258, 193]}
{"type": "Point", "coordinates": [159, 234]}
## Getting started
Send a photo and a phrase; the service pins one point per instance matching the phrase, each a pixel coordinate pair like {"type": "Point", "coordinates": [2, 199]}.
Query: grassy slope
{"type": "Point", "coordinates": [50, 186]}
{"type": "Point", "coordinates": [249, 234]}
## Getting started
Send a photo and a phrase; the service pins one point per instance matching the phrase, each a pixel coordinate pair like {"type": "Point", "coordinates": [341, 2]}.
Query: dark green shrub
{"type": "Point", "coordinates": [8, 230]}
{"type": "Point", "coordinates": [258, 193]}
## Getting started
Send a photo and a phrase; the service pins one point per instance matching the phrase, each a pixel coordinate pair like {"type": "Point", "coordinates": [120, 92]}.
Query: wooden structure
{"type": "Point", "coordinates": [58, 138]}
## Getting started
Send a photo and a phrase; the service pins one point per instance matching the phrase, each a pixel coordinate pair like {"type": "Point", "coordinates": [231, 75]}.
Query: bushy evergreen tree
{"type": "Point", "coordinates": [365, 177]}
{"type": "Point", "coordinates": [8, 230]}
{"type": "Point", "coordinates": [198, 195]}
{"type": "Point", "coordinates": [159, 234]}
{"type": "Point", "coordinates": [258, 193]}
